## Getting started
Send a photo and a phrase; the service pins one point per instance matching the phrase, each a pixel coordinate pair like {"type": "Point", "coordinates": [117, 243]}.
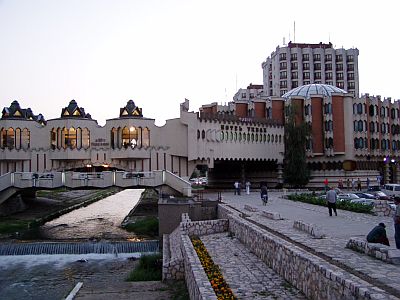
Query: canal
{"type": "Point", "coordinates": [99, 220]}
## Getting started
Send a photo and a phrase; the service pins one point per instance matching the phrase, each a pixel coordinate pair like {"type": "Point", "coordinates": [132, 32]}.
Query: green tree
{"type": "Point", "coordinates": [295, 171]}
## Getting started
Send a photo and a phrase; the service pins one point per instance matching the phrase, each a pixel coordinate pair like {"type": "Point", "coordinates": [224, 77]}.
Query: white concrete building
{"type": "Point", "coordinates": [298, 64]}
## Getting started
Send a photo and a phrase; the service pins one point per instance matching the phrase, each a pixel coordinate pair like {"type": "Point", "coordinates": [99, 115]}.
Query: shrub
{"type": "Point", "coordinates": [148, 269]}
{"type": "Point", "coordinates": [345, 205]}
{"type": "Point", "coordinates": [147, 226]}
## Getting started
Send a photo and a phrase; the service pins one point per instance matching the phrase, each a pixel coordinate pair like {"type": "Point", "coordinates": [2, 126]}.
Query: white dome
{"type": "Point", "coordinates": [313, 89]}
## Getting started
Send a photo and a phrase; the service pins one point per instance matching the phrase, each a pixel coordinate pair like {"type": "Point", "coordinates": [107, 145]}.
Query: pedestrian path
{"type": "Point", "coordinates": [338, 231]}
{"type": "Point", "coordinates": [247, 276]}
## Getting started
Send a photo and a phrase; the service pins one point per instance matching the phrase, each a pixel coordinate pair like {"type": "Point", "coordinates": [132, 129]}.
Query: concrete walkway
{"type": "Point", "coordinates": [337, 229]}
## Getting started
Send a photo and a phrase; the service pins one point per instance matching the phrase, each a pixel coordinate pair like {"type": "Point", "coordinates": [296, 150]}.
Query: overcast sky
{"type": "Point", "coordinates": [157, 53]}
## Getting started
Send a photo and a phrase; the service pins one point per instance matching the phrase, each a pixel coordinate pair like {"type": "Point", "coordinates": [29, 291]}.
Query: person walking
{"type": "Point", "coordinates": [367, 183]}
{"type": "Point", "coordinates": [359, 185]}
{"type": "Point", "coordinates": [378, 235]}
{"type": "Point", "coordinates": [331, 198]}
{"type": "Point", "coordinates": [248, 184]}
{"type": "Point", "coordinates": [353, 184]}
{"type": "Point", "coordinates": [326, 184]}
{"type": "Point", "coordinates": [348, 184]}
{"type": "Point", "coordinates": [236, 186]}
{"type": "Point", "coordinates": [264, 194]}
{"type": "Point", "coordinates": [396, 221]}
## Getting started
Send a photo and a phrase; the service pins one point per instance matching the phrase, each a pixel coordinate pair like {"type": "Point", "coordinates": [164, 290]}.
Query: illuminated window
{"type": "Point", "coordinates": [26, 139]}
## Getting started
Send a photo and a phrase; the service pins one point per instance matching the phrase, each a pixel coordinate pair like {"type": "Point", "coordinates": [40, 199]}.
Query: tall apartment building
{"type": "Point", "coordinates": [301, 64]}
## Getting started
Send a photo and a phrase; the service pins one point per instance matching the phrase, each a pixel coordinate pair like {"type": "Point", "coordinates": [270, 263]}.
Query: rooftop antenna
{"type": "Point", "coordinates": [294, 31]}
{"type": "Point", "coordinates": [284, 41]}
{"type": "Point", "coordinates": [329, 37]}
{"type": "Point", "coordinates": [236, 83]}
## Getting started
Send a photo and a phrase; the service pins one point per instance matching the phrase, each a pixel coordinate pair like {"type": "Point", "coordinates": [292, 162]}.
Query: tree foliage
{"type": "Point", "coordinates": [295, 172]}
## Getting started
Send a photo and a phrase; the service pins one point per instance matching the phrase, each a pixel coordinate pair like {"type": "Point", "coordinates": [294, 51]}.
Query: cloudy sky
{"type": "Point", "coordinates": [159, 52]}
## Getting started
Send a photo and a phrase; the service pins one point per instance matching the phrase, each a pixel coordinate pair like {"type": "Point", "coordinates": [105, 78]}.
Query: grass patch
{"type": "Point", "coordinates": [148, 269]}
{"type": "Point", "coordinates": [345, 205]}
{"type": "Point", "coordinates": [179, 290]}
{"type": "Point", "coordinates": [146, 226]}
{"type": "Point", "coordinates": [11, 226]}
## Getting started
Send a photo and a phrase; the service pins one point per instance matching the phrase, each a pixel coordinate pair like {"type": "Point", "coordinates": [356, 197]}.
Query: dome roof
{"type": "Point", "coordinates": [313, 89]}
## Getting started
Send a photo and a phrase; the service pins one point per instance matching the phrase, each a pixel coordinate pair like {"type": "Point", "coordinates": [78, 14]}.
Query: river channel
{"type": "Point", "coordinates": [100, 220]}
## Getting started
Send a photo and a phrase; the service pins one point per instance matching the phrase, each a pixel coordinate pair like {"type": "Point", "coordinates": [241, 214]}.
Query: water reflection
{"type": "Point", "coordinates": [100, 220]}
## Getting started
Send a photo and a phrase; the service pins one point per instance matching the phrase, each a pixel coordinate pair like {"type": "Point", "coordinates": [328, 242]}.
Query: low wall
{"type": "Point", "coordinates": [316, 278]}
{"type": "Point", "coordinates": [383, 208]}
{"type": "Point", "coordinates": [379, 251]}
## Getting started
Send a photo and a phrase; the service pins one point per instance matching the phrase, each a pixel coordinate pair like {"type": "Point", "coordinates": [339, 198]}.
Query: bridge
{"type": "Point", "coordinates": [11, 183]}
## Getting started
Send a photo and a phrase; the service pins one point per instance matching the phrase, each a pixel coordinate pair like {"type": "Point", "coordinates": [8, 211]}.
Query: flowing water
{"type": "Point", "coordinates": [100, 220]}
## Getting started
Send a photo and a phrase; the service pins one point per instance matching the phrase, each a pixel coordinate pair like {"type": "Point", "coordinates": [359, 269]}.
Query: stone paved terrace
{"type": "Point", "coordinates": [248, 277]}
{"type": "Point", "coordinates": [338, 231]}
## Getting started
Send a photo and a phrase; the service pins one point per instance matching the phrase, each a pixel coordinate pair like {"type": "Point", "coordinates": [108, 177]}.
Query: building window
{"type": "Point", "coordinates": [350, 58]}
{"type": "Point", "coordinates": [350, 85]}
{"type": "Point", "coordinates": [339, 76]}
{"type": "Point", "coordinates": [350, 76]}
{"type": "Point", "coordinates": [283, 75]}
{"type": "Point", "coordinates": [350, 67]}
{"type": "Point", "coordinates": [340, 85]}
{"type": "Point", "coordinates": [282, 56]}
{"type": "Point", "coordinates": [339, 57]}
{"type": "Point", "coordinates": [294, 65]}
{"type": "Point", "coordinates": [329, 82]}
{"type": "Point", "coordinates": [306, 66]}
{"type": "Point", "coordinates": [317, 75]}
{"type": "Point", "coordinates": [359, 109]}
{"type": "Point", "coordinates": [328, 75]}
{"type": "Point", "coordinates": [243, 95]}
{"type": "Point", "coordinates": [317, 57]}
{"type": "Point", "coordinates": [339, 67]}
{"type": "Point", "coordinates": [294, 84]}
{"type": "Point", "coordinates": [294, 75]}
{"type": "Point", "coordinates": [306, 57]}
{"type": "Point", "coordinates": [293, 56]}
{"type": "Point", "coordinates": [251, 95]}
{"type": "Point", "coordinates": [328, 67]}
{"type": "Point", "coordinates": [328, 57]}
{"type": "Point", "coordinates": [283, 84]}
{"type": "Point", "coordinates": [306, 82]}
{"type": "Point", "coordinates": [317, 66]}
{"type": "Point", "coordinates": [306, 75]}
{"type": "Point", "coordinates": [283, 92]}
{"type": "Point", "coordinates": [372, 127]}
{"type": "Point", "coordinates": [282, 65]}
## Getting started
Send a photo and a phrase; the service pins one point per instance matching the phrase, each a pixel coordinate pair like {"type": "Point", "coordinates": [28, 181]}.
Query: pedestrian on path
{"type": "Point", "coordinates": [264, 194]}
{"type": "Point", "coordinates": [378, 235]}
{"type": "Point", "coordinates": [326, 184]}
{"type": "Point", "coordinates": [396, 221]}
{"type": "Point", "coordinates": [237, 187]}
{"type": "Point", "coordinates": [348, 184]}
{"type": "Point", "coordinates": [367, 183]}
{"type": "Point", "coordinates": [359, 185]}
{"type": "Point", "coordinates": [248, 184]}
{"type": "Point", "coordinates": [331, 197]}
{"type": "Point", "coordinates": [353, 184]}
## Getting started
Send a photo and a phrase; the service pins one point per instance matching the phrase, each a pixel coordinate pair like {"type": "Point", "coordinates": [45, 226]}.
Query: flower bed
{"type": "Point", "coordinates": [218, 283]}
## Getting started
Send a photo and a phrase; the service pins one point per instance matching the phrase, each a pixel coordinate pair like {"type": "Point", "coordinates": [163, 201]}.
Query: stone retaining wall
{"type": "Point", "coordinates": [379, 251]}
{"type": "Point", "coordinates": [315, 277]}
{"type": "Point", "coordinates": [383, 208]}
{"type": "Point", "coordinates": [180, 260]}
{"type": "Point", "coordinates": [271, 215]}
{"type": "Point", "coordinates": [308, 228]}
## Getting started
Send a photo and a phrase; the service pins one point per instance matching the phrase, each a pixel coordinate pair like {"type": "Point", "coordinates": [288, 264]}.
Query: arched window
{"type": "Point", "coordinates": [360, 126]}
{"type": "Point", "coordinates": [371, 127]}
{"type": "Point", "coordinates": [78, 138]}
{"type": "Point", "coordinates": [231, 136]}
{"type": "Point", "coordinates": [356, 143]}
{"type": "Point", "coordinates": [53, 138]}
{"type": "Point", "coordinates": [221, 135]}
{"type": "Point", "coordinates": [125, 137]}
{"type": "Point", "coordinates": [3, 138]}
{"type": "Point", "coordinates": [203, 134]}
{"type": "Point", "coordinates": [146, 137]}
{"type": "Point", "coordinates": [268, 138]}
{"type": "Point", "coordinates": [26, 139]}
{"type": "Point", "coordinates": [64, 134]}
{"type": "Point", "coordinates": [393, 145]}
{"type": "Point", "coordinates": [256, 138]}
{"type": "Point", "coordinates": [280, 139]}
{"type": "Point", "coordinates": [354, 108]}
{"type": "Point", "coordinates": [355, 128]}
{"type": "Point", "coordinates": [59, 138]}
{"type": "Point", "coordinates": [248, 137]}
{"type": "Point", "coordinates": [235, 137]}
{"type": "Point", "coordinates": [371, 110]}
{"type": "Point", "coordinates": [264, 138]}
{"type": "Point", "coordinates": [272, 138]}
{"type": "Point", "coordinates": [198, 134]}
{"type": "Point", "coordinates": [70, 138]}
{"type": "Point", "coordinates": [113, 138]}
{"type": "Point", "coordinates": [18, 138]}
{"type": "Point", "coordinates": [85, 138]}
{"type": "Point", "coordinates": [10, 138]}
{"type": "Point", "coordinates": [359, 108]}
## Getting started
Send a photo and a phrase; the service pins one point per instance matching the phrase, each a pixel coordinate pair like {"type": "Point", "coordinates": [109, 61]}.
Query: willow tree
{"type": "Point", "coordinates": [295, 171]}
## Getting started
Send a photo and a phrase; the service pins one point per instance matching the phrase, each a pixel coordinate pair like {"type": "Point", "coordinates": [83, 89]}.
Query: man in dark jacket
{"type": "Point", "coordinates": [378, 235]}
